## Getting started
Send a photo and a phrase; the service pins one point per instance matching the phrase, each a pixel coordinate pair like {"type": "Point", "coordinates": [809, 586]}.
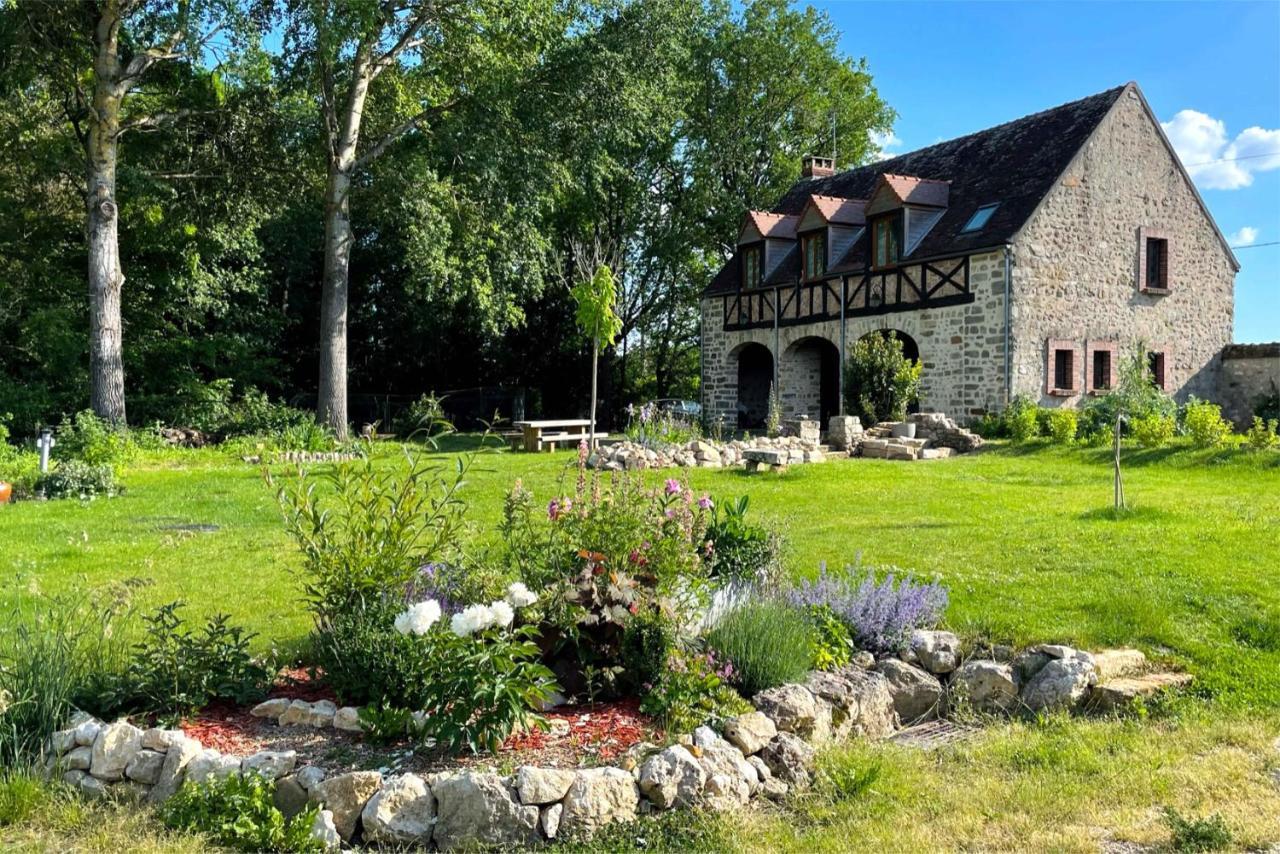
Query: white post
{"type": "Point", "coordinates": [45, 443]}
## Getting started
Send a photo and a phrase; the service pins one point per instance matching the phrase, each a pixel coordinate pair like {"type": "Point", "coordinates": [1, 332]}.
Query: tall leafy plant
{"type": "Point", "coordinates": [880, 381]}
{"type": "Point", "coordinates": [596, 317]}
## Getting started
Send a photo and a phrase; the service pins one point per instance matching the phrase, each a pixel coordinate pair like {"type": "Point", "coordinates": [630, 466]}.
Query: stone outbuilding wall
{"type": "Point", "coordinates": [1249, 371]}
{"type": "Point", "coordinates": [1077, 265]}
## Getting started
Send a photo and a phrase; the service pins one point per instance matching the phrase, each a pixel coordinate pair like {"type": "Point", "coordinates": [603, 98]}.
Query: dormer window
{"type": "Point", "coordinates": [815, 254]}
{"type": "Point", "coordinates": [751, 266]}
{"type": "Point", "coordinates": [885, 243]}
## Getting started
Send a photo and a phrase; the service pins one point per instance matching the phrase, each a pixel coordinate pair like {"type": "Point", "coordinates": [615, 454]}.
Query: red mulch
{"type": "Point", "coordinates": [603, 730]}
{"type": "Point", "coordinates": [297, 683]}
{"type": "Point", "coordinates": [225, 728]}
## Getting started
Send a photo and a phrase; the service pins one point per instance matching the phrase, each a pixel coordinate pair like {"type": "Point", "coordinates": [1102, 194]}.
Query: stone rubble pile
{"type": "Point", "coordinates": [702, 453]}
{"type": "Point", "coordinates": [765, 753]}
{"type": "Point", "coordinates": [936, 437]}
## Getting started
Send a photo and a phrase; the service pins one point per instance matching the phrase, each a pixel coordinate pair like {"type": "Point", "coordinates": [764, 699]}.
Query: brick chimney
{"type": "Point", "coordinates": [812, 166]}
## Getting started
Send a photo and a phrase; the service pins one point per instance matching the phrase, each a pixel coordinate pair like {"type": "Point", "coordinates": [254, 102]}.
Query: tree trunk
{"type": "Point", "coordinates": [595, 367]}
{"type": "Point", "coordinates": [106, 348]}
{"type": "Point", "coordinates": [332, 402]}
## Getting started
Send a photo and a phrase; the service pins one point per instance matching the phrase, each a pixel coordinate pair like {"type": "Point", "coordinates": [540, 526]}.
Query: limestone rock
{"type": "Point", "coordinates": [273, 708]}
{"type": "Point", "coordinates": [1124, 691]}
{"type": "Point", "coordinates": [401, 813]}
{"type": "Point", "coordinates": [160, 740]}
{"type": "Point", "coordinates": [345, 796]}
{"type": "Point", "coordinates": [289, 796]}
{"type": "Point", "coordinates": [789, 758]}
{"type": "Point", "coordinates": [538, 786]}
{"type": "Point", "coordinates": [860, 701]}
{"type": "Point", "coordinates": [550, 820]}
{"type": "Point", "coordinates": [672, 778]}
{"type": "Point", "coordinates": [725, 792]}
{"type": "Point", "coordinates": [347, 719]}
{"type": "Point", "coordinates": [145, 767]}
{"type": "Point", "coordinates": [477, 809]}
{"type": "Point", "coordinates": [86, 732]}
{"type": "Point", "coordinates": [762, 770]}
{"type": "Point", "coordinates": [309, 776]}
{"type": "Point", "coordinates": [210, 764]}
{"type": "Point", "coordinates": [987, 686]}
{"type": "Point", "coordinates": [79, 759]}
{"type": "Point", "coordinates": [1118, 663]}
{"type": "Point", "coordinates": [92, 787]}
{"type": "Point", "coordinates": [598, 797]}
{"type": "Point", "coordinates": [324, 831]}
{"type": "Point", "coordinates": [113, 749]}
{"type": "Point", "coordinates": [937, 652]}
{"type": "Point", "coordinates": [301, 713]}
{"type": "Point", "coordinates": [750, 732]}
{"type": "Point", "coordinates": [1060, 684]}
{"type": "Point", "coordinates": [916, 694]}
{"type": "Point", "coordinates": [723, 758]}
{"type": "Point", "coordinates": [705, 736]}
{"type": "Point", "coordinates": [774, 789]}
{"type": "Point", "coordinates": [271, 764]}
{"type": "Point", "coordinates": [791, 707]}
{"type": "Point", "coordinates": [1027, 664]}
{"type": "Point", "coordinates": [62, 741]}
{"type": "Point", "coordinates": [174, 769]}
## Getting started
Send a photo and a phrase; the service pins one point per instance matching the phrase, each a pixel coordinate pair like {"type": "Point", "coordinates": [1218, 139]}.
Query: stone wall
{"type": "Point", "coordinates": [1076, 264]}
{"type": "Point", "coordinates": [962, 347]}
{"type": "Point", "coordinates": [1248, 372]}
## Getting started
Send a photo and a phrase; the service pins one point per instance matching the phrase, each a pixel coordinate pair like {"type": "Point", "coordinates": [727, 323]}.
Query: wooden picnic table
{"type": "Point", "coordinates": [548, 432]}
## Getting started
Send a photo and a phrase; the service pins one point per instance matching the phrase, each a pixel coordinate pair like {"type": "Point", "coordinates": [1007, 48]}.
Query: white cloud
{"type": "Point", "coordinates": [1213, 159]}
{"type": "Point", "coordinates": [883, 139]}
{"type": "Point", "coordinates": [1245, 236]}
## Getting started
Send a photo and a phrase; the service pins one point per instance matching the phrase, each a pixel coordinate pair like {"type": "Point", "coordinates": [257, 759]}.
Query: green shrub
{"type": "Point", "coordinates": [19, 468]}
{"type": "Point", "coordinates": [740, 550]}
{"type": "Point", "coordinates": [1134, 395]}
{"type": "Point", "coordinates": [364, 530]}
{"type": "Point", "coordinates": [78, 479]}
{"type": "Point", "coordinates": [176, 671]}
{"type": "Point", "coordinates": [647, 643]}
{"type": "Point", "coordinates": [692, 691]}
{"type": "Point", "coordinates": [1021, 419]}
{"type": "Point", "coordinates": [86, 438]}
{"type": "Point", "coordinates": [366, 661]}
{"type": "Point", "coordinates": [1262, 437]}
{"type": "Point", "coordinates": [1062, 425]}
{"type": "Point", "coordinates": [990, 425]}
{"type": "Point", "coordinates": [880, 382]}
{"type": "Point", "coordinates": [1102, 437]}
{"type": "Point", "coordinates": [768, 642]}
{"type": "Point", "coordinates": [1203, 834]}
{"type": "Point", "coordinates": [424, 418]}
{"type": "Point", "coordinates": [831, 643]}
{"type": "Point", "coordinates": [239, 812]}
{"type": "Point", "coordinates": [1152, 431]}
{"type": "Point", "coordinates": [1205, 424]}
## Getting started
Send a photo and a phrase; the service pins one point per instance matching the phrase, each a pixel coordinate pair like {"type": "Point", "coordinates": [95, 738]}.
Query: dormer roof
{"type": "Point", "coordinates": [766, 224]}
{"type": "Point", "coordinates": [913, 190]}
{"type": "Point", "coordinates": [838, 211]}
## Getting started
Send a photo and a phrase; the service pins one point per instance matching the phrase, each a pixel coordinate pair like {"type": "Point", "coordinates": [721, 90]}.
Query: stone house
{"type": "Point", "coordinates": [1026, 259]}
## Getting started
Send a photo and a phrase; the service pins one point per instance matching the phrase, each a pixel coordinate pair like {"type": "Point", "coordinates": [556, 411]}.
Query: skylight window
{"type": "Point", "coordinates": [979, 219]}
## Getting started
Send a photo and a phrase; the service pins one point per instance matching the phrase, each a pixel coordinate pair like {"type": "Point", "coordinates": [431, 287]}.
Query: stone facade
{"type": "Point", "coordinates": [1249, 371]}
{"type": "Point", "coordinates": [1076, 266]}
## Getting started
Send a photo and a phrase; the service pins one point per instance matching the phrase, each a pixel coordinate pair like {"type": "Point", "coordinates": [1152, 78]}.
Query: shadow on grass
{"type": "Point", "coordinates": [1127, 514]}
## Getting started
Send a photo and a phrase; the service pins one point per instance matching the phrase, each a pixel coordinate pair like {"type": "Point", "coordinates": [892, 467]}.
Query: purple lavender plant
{"type": "Point", "coordinates": [881, 614]}
{"type": "Point", "coordinates": [433, 581]}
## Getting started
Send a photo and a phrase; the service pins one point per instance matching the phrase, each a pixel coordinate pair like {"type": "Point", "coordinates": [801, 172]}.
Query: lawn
{"type": "Point", "coordinates": [1023, 537]}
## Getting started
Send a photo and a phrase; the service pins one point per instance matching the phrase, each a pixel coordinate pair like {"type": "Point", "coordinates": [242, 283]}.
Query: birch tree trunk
{"type": "Point", "coordinates": [106, 279]}
{"type": "Point", "coordinates": [332, 403]}
{"type": "Point", "coordinates": [595, 367]}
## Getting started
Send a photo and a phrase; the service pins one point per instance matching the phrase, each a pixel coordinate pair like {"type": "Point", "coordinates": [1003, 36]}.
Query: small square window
{"type": "Point", "coordinates": [979, 219]}
{"type": "Point", "coordinates": [1101, 380]}
{"type": "Point", "coordinates": [1063, 369]}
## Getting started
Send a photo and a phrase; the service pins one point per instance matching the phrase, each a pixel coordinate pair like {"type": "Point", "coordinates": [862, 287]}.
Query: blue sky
{"type": "Point", "coordinates": [1211, 72]}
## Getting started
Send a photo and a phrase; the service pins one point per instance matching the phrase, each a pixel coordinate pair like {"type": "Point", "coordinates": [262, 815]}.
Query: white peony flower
{"type": "Point", "coordinates": [472, 619]}
{"type": "Point", "coordinates": [520, 596]}
{"type": "Point", "coordinates": [503, 613]}
{"type": "Point", "coordinates": [418, 619]}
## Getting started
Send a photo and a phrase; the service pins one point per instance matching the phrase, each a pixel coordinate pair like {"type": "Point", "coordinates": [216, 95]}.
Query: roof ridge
{"type": "Point", "coordinates": [917, 178]}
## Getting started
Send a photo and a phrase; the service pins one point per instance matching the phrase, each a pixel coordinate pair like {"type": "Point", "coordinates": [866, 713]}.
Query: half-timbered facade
{"type": "Point", "coordinates": [1023, 259]}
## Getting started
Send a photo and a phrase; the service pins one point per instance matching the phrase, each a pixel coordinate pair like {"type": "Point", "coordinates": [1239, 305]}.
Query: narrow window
{"type": "Point", "coordinates": [815, 255]}
{"type": "Point", "coordinates": [1155, 369]}
{"type": "Point", "coordinates": [885, 235]}
{"type": "Point", "coordinates": [1101, 370]}
{"type": "Point", "coordinates": [1157, 263]}
{"type": "Point", "coordinates": [1063, 375]}
{"type": "Point", "coordinates": [751, 267]}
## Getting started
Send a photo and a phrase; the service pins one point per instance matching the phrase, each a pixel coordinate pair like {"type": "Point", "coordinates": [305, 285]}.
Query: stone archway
{"type": "Point", "coordinates": [755, 380]}
{"type": "Point", "coordinates": [910, 348]}
{"type": "Point", "coordinates": [811, 379]}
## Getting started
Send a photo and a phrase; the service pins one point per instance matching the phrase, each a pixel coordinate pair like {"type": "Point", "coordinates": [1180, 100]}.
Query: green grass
{"type": "Point", "coordinates": [1023, 536]}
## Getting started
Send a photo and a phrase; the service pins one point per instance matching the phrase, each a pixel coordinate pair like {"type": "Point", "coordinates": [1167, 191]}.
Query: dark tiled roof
{"type": "Point", "coordinates": [1014, 164]}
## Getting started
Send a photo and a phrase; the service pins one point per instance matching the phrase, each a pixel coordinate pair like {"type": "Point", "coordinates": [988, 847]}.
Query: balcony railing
{"type": "Point", "coordinates": [910, 287]}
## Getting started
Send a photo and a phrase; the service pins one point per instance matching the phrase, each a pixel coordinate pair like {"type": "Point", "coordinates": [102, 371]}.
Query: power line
{"type": "Point", "coordinates": [1257, 245]}
{"type": "Point", "coordinates": [1232, 159]}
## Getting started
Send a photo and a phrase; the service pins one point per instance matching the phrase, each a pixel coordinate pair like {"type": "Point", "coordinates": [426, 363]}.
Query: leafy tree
{"type": "Point", "coordinates": [598, 321]}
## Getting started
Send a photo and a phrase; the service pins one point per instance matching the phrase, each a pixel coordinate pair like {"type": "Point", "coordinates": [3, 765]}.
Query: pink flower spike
{"type": "Point", "coordinates": [673, 486]}
{"type": "Point", "coordinates": [705, 502]}
{"type": "Point", "coordinates": [553, 510]}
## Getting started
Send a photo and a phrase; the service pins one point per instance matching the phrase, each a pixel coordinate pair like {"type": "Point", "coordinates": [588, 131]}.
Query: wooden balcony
{"type": "Point", "coordinates": [909, 287]}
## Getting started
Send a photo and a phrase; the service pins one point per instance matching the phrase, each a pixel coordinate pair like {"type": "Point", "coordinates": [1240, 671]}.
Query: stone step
{"type": "Point", "coordinates": [1117, 663]}
{"type": "Point", "coordinates": [1123, 691]}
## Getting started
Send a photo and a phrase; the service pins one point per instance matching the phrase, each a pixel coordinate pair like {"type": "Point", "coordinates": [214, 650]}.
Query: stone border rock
{"type": "Point", "coordinates": [766, 753]}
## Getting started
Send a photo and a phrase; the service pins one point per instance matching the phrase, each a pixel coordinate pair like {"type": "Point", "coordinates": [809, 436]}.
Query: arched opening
{"type": "Point", "coordinates": [811, 379]}
{"type": "Point", "coordinates": [910, 348]}
{"type": "Point", "coordinates": [755, 379]}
